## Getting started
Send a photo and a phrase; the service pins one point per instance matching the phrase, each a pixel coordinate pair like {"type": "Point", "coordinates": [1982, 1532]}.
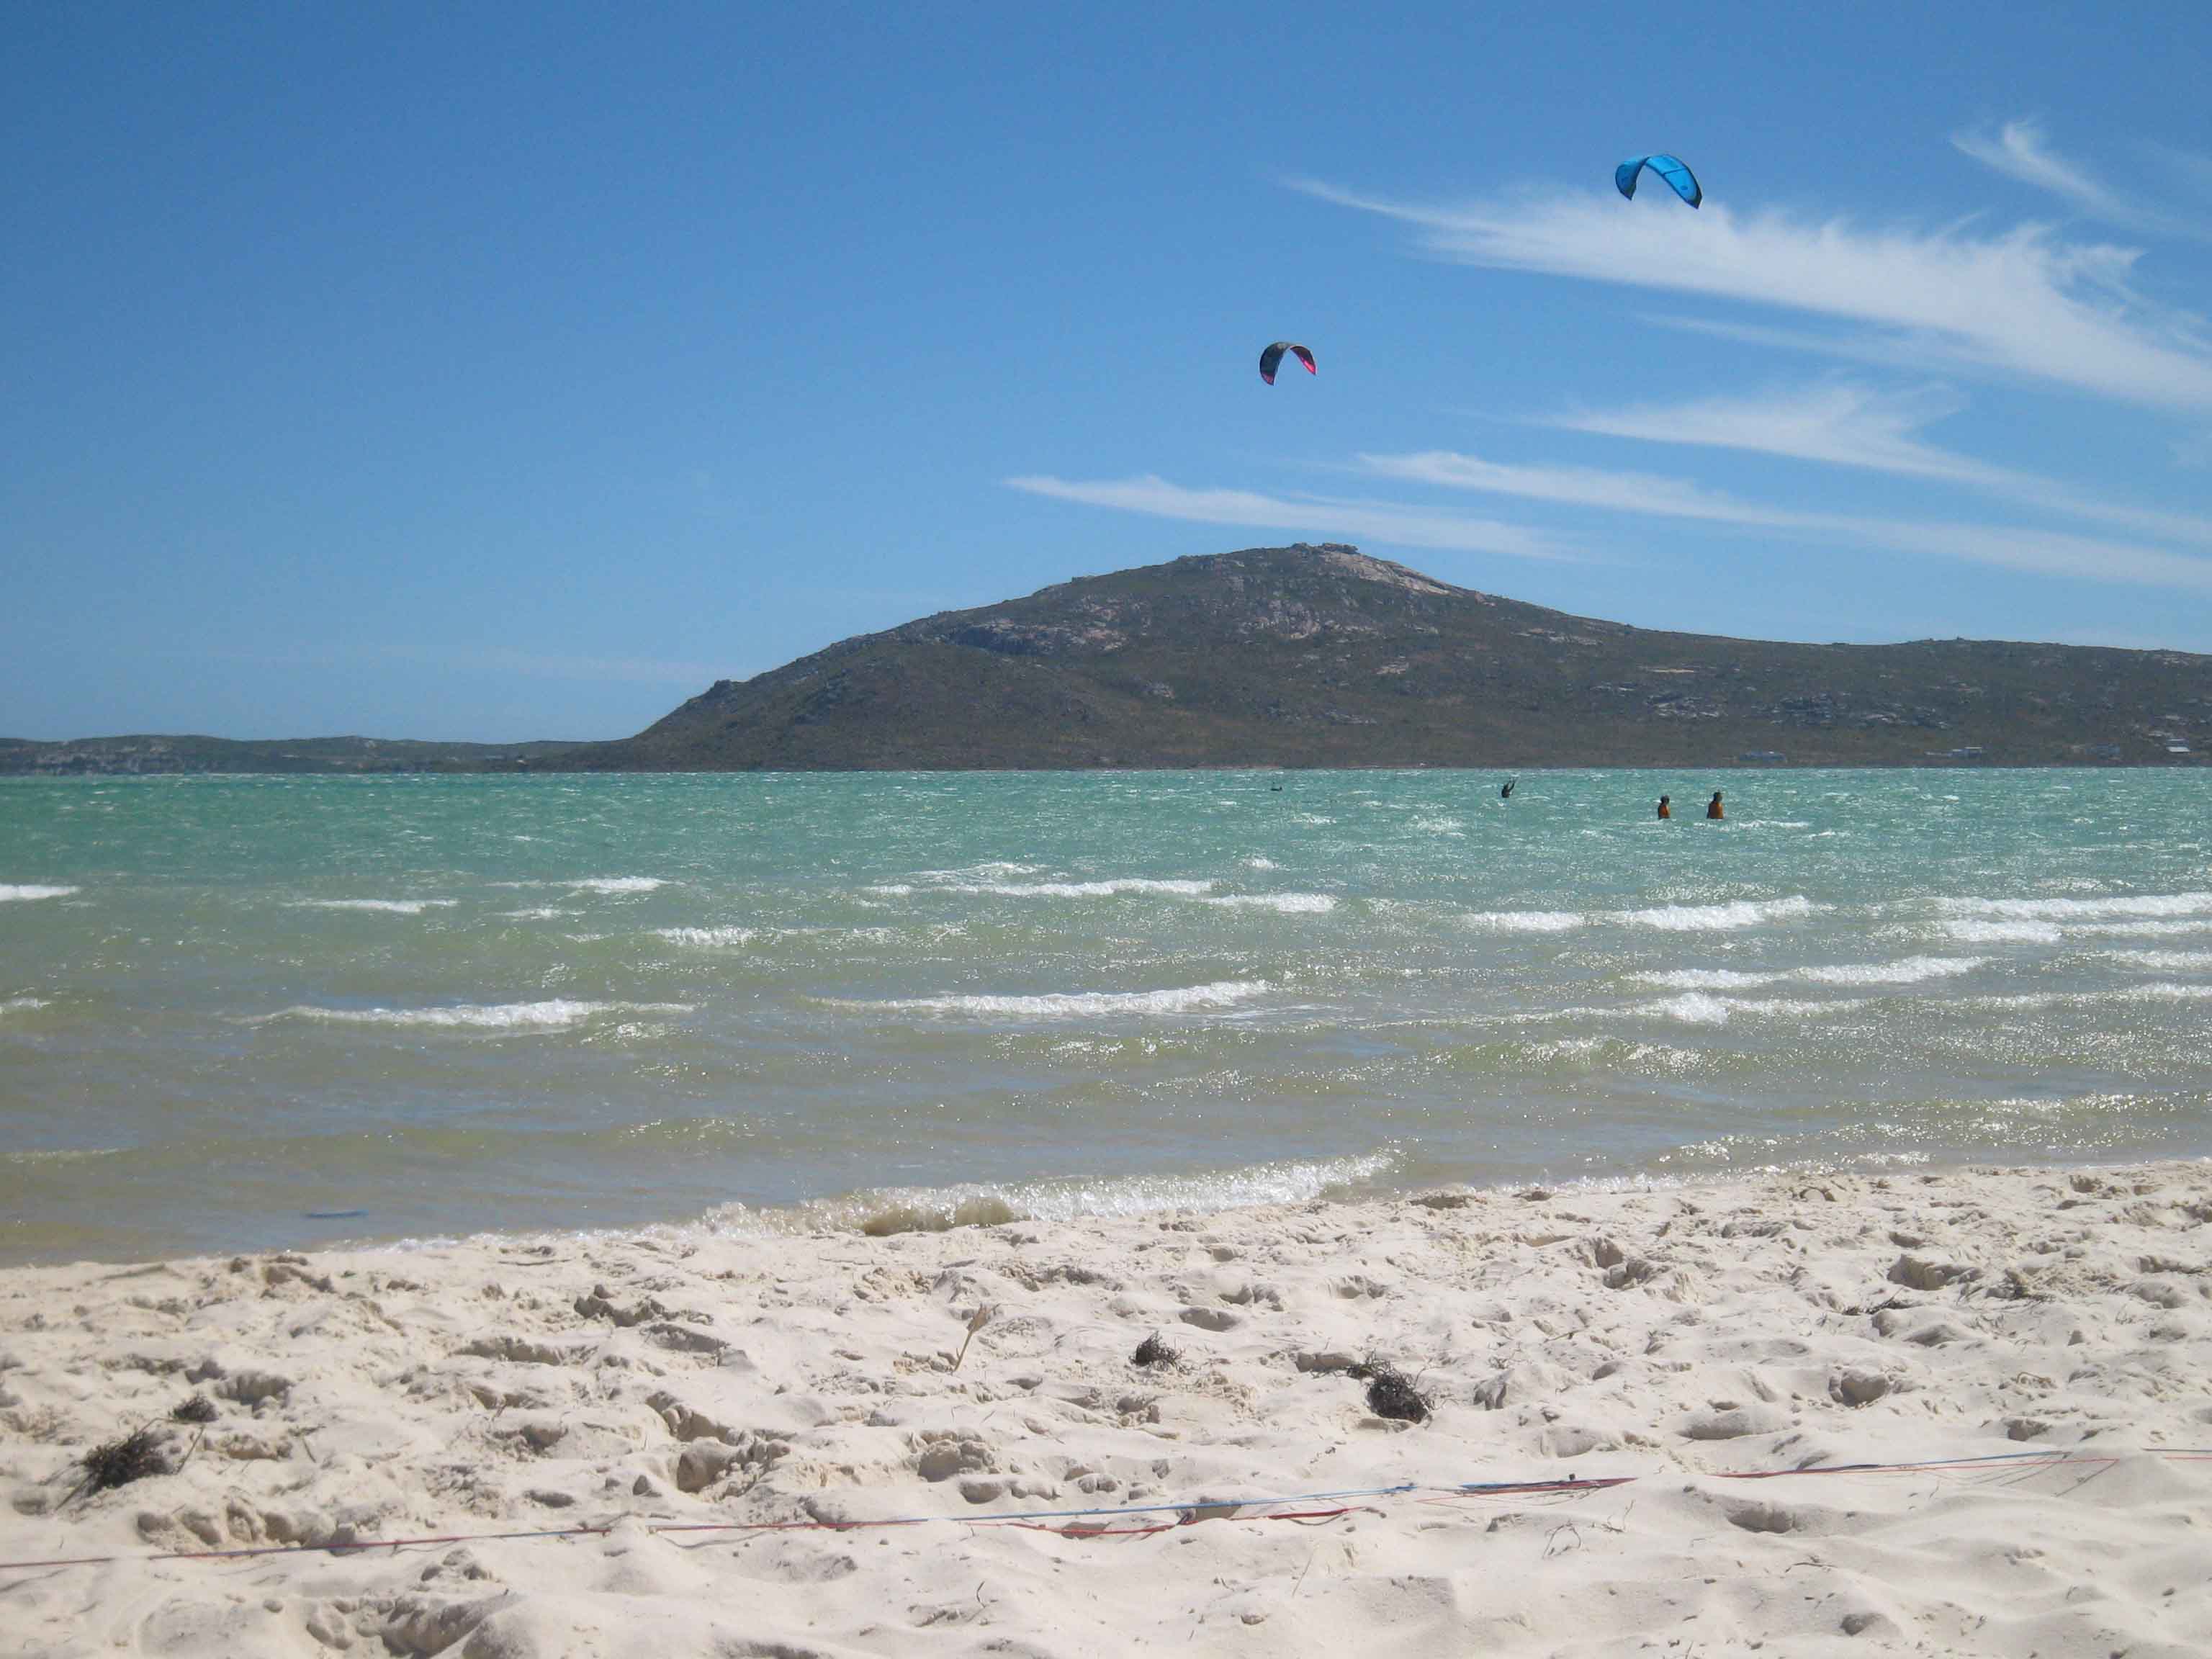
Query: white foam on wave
{"type": "Point", "coordinates": [2003, 932]}
{"type": "Point", "coordinates": [1112, 887]}
{"type": "Point", "coordinates": [390, 907]}
{"type": "Point", "coordinates": [2168, 961]}
{"type": "Point", "coordinates": [554, 1014]}
{"type": "Point", "coordinates": [1618, 1052]}
{"type": "Point", "coordinates": [1719, 918]}
{"type": "Point", "coordinates": [617, 885]}
{"type": "Point", "coordinates": [2161, 991]}
{"type": "Point", "coordinates": [891, 889]}
{"type": "Point", "coordinates": [1706, 979]}
{"type": "Point", "coordinates": [1085, 1005]}
{"type": "Point", "coordinates": [708, 938]}
{"type": "Point", "coordinates": [2145, 929]}
{"type": "Point", "coordinates": [1698, 1008]}
{"type": "Point", "coordinates": [23, 1004]}
{"type": "Point", "coordinates": [536, 913]}
{"type": "Point", "coordinates": [935, 1209]}
{"type": "Point", "coordinates": [1288, 904]}
{"type": "Point", "coordinates": [25, 891]}
{"type": "Point", "coordinates": [1257, 863]}
{"type": "Point", "coordinates": [1527, 921]}
{"type": "Point", "coordinates": [1906, 971]}
{"type": "Point", "coordinates": [2080, 909]}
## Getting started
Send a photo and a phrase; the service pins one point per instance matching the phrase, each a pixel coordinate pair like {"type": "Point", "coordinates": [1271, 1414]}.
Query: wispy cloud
{"type": "Point", "coordinates": [1575, 486]}
{"type": "Point", "coordinates": [2018, 151]}
{"type": "Point", "coordinates": [1837, 422]}
{"type": "Point", "coordinates": [1844, 424]}
{"type": "Point", "coordinates": [2044, 552]}
{"type": "Point", "coordinates": [2021, 302]}
{"type": "Point", "coordinates": [1314, 516]}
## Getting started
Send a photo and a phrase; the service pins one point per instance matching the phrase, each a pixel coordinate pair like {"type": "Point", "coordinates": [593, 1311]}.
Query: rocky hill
{"type": "Point", "coordinates": [1322, 656]}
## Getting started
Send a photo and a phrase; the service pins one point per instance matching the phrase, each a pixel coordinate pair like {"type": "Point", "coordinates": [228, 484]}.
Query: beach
{"type": "Point", "coordinates": [709, 1433]}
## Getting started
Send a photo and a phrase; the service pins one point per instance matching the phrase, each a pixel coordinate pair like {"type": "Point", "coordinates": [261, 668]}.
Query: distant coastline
{"type": "Point", "coordinates": [1318, 658]}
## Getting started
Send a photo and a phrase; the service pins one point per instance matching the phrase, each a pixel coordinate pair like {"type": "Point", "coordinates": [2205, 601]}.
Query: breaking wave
{"type": "Point", "coordinates": [1288, 904]}
{"type": "Point", "coordinates": [2089, 910]}
{"type": "Point", "coordinates": [394, 907]}
{"type": "Point", "coordinates": [1085, 1005]}
{"type": "Point", "coordinates": [1719, 918]}
{"type": "Point", "coordinates": [906, 1210]}
{"type": "Point", "coordinates": [1113, 887]}
{"type": "Point", "coordinates": [708, 938]}
{"type": "Point", "coordinates": [1528, 921]}
{"type": "Point", "coordinates": [9, 890]}
{"type": "Point", "coordinates": [554, 1014]}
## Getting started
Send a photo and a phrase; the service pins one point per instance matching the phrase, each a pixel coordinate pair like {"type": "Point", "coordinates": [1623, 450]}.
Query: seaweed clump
{"type": "Point", "coordinates": [193, 1408]}
{"type": "Point", "coordinates": [1390, 1392]}
{"type": "Point", "coordinates": [118, 1462]}
{"type": "Point", "coordinates": [1152, 1351]}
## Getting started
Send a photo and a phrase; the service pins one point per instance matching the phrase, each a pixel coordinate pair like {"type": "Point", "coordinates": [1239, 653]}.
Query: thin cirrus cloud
{"type": "Point", "coordinates": [2043, 552]}
{"type": "Point", "coordinates": [1844, 423]}
{"type": "Point", "coordinates": [1839, 423]}
{"type": "Point", "coordinates": [2021, 302]}
{"type": "Point", "coordinates": [2048, 553]}
{"type": "Point", "coordinates": [2019, 151]}
{"type": "Point", "coordinates": [1386, 521]}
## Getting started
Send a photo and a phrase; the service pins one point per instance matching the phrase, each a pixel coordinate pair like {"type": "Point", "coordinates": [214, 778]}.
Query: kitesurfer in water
{"type": "Point", "coordinates": [1663, 811]}
{"type": "Point", "coordinates": [1506, 793]}
{"type": "Point", "coordinates": [1713, 806]}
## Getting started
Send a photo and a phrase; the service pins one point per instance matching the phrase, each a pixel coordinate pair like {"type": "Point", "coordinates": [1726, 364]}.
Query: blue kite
{"type": "Point", "coordinates": [1674, 171]}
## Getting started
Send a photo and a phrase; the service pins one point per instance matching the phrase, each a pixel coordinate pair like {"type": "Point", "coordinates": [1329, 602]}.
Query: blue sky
{"type": "Point", "coordinates": [473, 371]}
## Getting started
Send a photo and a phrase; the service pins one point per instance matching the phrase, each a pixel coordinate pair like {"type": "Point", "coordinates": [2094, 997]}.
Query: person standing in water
{"type": "Point", "coordinates": [1663, 811]}
{"type": "Point", "coordinates": [1713, 806]}
{"type": "Point", "coordinates": [1506, 793]}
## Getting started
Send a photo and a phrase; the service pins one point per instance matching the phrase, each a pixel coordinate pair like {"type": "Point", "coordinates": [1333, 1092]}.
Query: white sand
{"type": "Point", "coordinates": [1667, 1335]}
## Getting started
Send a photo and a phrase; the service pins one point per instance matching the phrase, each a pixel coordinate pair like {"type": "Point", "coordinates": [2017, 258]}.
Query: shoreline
{"type": "Point", "coordinates": [885, 1212]}
{"type": "Point", "coordinates": [2058, 1317]}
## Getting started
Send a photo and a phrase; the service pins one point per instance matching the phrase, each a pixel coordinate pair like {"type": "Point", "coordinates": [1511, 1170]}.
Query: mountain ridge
{"type": "Point", "coordinates": [1321, 656]}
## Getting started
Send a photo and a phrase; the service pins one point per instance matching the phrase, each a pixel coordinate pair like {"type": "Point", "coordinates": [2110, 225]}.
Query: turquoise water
{"type": "Point", "coordinates": [234, 1011]}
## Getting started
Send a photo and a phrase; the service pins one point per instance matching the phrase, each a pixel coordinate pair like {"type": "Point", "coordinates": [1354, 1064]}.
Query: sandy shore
{"type": "Point", "coordinates": [1674, 1336]}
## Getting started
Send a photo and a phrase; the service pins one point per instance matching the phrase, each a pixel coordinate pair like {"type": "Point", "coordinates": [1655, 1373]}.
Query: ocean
{"type": "Point", "coordinates": [250, 1012]}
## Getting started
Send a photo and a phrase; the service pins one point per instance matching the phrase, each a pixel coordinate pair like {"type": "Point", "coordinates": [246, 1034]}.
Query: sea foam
{"type": "Point", "coordinates": [1718, 918]}
{"type": "Point", "coordinates": [1113, 887]}
{"type": "Point", "coordinates": [554, 1014]}
{"type": "Point", "coordinates": [2080, 909]}
{"type": "Point", "coordinates": [1290, 904]}
{"type": "Point", "coordinates": [708, 938]}
{"type": "Point", "coordinates": [904, 1210]}
{"type": "Point", "coordinates": [2003, 932]}
{"type": "Point", "coordinates": [1700, 1008]}
{"type": "Point", "coordinates": [25, 891]}
{"type": "Point", "coordinates": [1086, 1005]}
{"type": "Point", "coordinates": [1527, 921]}
{"type": "Point", "coordinates": [1904, 971]}
{"type": "Point", "coordinates": [393, 906]}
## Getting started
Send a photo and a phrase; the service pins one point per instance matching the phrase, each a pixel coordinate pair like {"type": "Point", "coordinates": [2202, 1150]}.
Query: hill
{"type": "Point", "coordinates": [1322, 656]}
